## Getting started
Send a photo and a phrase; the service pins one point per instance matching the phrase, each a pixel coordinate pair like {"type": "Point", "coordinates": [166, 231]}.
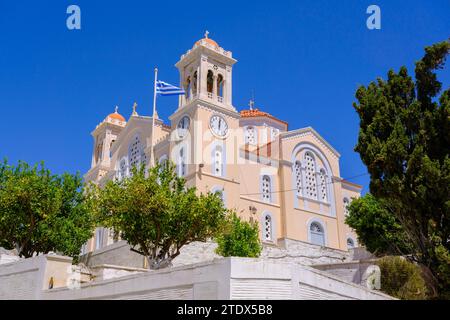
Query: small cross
{"type": "Point", "coordinates": [251, 104]}
{"type": "Point", "coordinates": [206, 34]}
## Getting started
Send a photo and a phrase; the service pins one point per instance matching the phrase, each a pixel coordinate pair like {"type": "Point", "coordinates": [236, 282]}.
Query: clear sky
{"type": "Point", "coordinates": [303, 59]}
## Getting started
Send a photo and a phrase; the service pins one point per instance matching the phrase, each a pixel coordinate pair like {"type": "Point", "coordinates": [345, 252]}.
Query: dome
{"type": "Point", "coordinates": [116, 116]}
{"type": "Point", "coordinates": [207, 40]}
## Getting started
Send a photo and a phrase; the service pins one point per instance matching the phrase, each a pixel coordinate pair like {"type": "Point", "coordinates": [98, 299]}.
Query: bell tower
{"type": "Point", "coordinates": [206, 74]}
{"type": "Point", "coordinates": [206, 110]}
{"type": "Point", "coordinates": [105, 134]}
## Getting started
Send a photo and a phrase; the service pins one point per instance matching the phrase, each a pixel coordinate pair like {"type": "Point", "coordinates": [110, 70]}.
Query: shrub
{"type": "Point", "coordinates": [402, 279]}
{"type": "Point", "coordinates": [239, 239]}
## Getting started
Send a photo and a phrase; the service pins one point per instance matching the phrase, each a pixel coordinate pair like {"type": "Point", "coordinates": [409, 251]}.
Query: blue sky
{"type": "Point", "coordinates": [303, 59]}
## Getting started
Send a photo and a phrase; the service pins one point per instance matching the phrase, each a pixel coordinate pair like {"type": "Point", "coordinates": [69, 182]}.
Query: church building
{"type": "Point", "coordinates": [286, 179]}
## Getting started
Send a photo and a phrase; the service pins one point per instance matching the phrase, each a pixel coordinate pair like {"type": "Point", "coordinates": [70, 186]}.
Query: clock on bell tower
{"type": "Point", "coordinates": [206, 119]}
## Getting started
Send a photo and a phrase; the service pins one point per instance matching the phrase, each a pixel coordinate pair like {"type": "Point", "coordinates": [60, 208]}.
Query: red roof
{"type": "Point", "coordinates": [257, 113]}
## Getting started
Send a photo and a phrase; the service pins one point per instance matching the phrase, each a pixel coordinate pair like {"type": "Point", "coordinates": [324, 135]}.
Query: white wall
{"type": "Point", "coordinates": [26, 278]}
{"type": "Point", "coordinates": [226, 278]}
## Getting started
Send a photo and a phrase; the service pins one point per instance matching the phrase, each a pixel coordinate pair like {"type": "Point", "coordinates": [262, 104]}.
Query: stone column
{"type": "Point", "coordinates": [214, 91]}
{"type": "Point", "coordinates": [203, 74]}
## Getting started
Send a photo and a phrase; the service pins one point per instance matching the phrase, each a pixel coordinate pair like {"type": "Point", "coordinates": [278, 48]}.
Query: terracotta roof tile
{"type": "Point", "coordinates": [257, 113]}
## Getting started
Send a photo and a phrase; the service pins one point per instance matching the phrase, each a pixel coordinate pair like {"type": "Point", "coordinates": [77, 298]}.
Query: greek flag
{"type": "Point", "coordinates": [166, 89]}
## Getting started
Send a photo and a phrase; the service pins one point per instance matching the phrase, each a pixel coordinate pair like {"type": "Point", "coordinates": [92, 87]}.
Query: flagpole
{"type": "Point", "coordinates": [152, 156]}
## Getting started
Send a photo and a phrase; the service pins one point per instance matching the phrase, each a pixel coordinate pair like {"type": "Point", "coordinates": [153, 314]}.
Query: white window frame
{"type": "Point", "coordinates": [122, 174]}
{"type": "Point", "coordinates": [270, 194]}
{"type": "Point", "coordinates": [314, 176]}
{"type": "Point", "coordinates": [323, 173]}
{"type": "Point", "coordinates": [322, 225]}
{"type": "Point", "coordinates": [296, 155]}
{"type": "Point", "coordinates": [298, 181]}
{"type": "Point", "coordinates": [274, 132]}
{"type": "Point", "coordinates": [163, 158]}
{"type": "Point", "coordinates": [246, 135]}
{"type": "Point", "coordinates": [352, 240]}
{"type": "Point", "coordinates": [222, 160]}
{"type": "Point", "coordinates": [139, 150]}
{"type": "Point", "coordinates": [181, 163]}
{"type": "Point", "coordinates": [221, 190]}
{"type": "Point", "coordinates": [273, 236]}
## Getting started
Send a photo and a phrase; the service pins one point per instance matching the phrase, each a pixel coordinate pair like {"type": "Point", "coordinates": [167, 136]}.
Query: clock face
{"type": "Point", "coordinates": [183, 126]}
{"type": "Point", "coordinates": [218, 126]}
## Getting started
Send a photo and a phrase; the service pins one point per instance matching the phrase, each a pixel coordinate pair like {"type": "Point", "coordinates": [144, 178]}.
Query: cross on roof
{"type": "Point", "coordinates": [206, 34]}
{"type": "Point", "coordinates": [251, 104]}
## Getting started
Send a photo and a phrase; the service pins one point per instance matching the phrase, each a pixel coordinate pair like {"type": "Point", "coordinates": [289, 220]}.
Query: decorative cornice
{"type": "Point", "coordinates": [309, 131]}
{"type": "Point", "coordinates": [250, 156]}
{"type": "Point", "coordinates": [351, 186]}
{"type": "Point", "coordinates": [204, 47]}
{"type": "Point", "coordinates": [202, 104]}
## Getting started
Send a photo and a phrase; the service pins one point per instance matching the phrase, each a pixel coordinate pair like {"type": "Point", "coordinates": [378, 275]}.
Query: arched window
{"type": "Point", "coordinates": [273, 133]}
{"type": "Point", "coordinates": [310, 176]}
{"type": "Point", "coordinates": [143, 157]}
{"type": "Point", "coordinates": [163, 160]}
{"type": "Point", "coordinates": [218, 162]}
{"type": "Point", "coordinates": [267, 231]}
{"type": "Point", "coordinates": [250, 135]}
{"type": "Point", "coordinates": [350, 243]}
{"type": "Point", "coordinates": [182, 163]}
{"type": "Point", "coordinates": [346, 204]}
{"type": "Point", "coordinates": [110, 147]}
{"type": "Point", "coordinates": [98, 152]}
{"type": "Point", "coordinates": [187, 87]}
{"type": "Point", "coordinates": [220, 192]}
{"type": "Point", "coordinates": [135, 152]}
{"type": "Point", "coordinates": [122, 169]}
{"type": "Point", "coordinates": [266, 189]}
{"type": "Point", "coordinates": [194, 84]}
{"type": "Point", "coordinates": [298, 177]}
{"type": "Point", "coordinates": [210, 81]}
{"type": "Point", "coordinates": [220, 85]}
{"type": "Point", "coordinates": [323, 186]}
{"type": "Point", "coordinates": [221, 195]}
{"type": "Point", "coordinates": [317, 234]}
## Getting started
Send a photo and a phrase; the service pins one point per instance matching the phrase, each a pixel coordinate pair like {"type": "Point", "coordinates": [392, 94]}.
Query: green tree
{"type": "Point", "coordinates": [41, 212]}
{"type": "Point", "coordinates": [404, 141]}
{"type": "Point", "coordinates": [157, 214]}
{"type": "Point", "coordinates": [377, 228]}
{"type": "Point", "coordinates": [402, 279]}
{"type": "Point", "coordinates": [239, 239]}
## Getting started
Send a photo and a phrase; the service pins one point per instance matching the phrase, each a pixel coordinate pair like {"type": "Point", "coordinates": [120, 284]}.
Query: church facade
{"type": "Point", "coordinates": [287, 180]}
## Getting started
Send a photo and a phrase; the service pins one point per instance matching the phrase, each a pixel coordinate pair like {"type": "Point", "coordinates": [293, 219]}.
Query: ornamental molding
{"type": "Point", "coordinates": [309, 131]}
{"type": "Point", "coordinates": [201, 104]}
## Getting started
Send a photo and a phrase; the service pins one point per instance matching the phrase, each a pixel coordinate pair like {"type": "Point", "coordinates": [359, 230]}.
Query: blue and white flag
{"type": "Point", "coordinates": [166, 89]}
